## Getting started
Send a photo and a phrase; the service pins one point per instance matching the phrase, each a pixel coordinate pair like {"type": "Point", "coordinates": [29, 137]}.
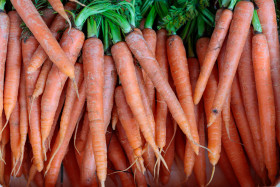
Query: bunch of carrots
{"type": "Point", "coordinates": [122, 92]}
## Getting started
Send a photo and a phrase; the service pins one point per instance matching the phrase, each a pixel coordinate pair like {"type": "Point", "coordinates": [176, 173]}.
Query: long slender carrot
{"type": "Point", "coordinates": [58, 7]}
{"type": "Point", "coordinates": [147, 60]}
{"type": "Point", "coordinates": [217, 38]}
{"type": "Point", "coordinates": [56, 27]}
{"type": "Point", "coordinates": [249, 96]}
{"type": "Point", "coordinates": [71, 42]}
{"type": "Point", "coordinates": [34, 22]}
{"type": "Point", "coordinates": [264, 86]}
{"type": "Point", "coordinates": [238, 32]}
{"type": "Point", "coordinates": [236, 155]}
{"type": "Point", "coordinates": [267, 16]}
{"type": "Point", "coordinates": [215, 130]}
{"type": "Point", "coordinates": [13, 65]}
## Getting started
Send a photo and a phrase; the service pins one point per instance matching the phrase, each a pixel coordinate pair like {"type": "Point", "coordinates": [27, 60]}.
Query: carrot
{"type": "Point", "coordinates": [161, 107]}
{"type": "Point", "coordinates": [28, 48]}
{"type": "Point", "coordinates": [32, 173]}
{"type": "Point", "coordinates": [249, 96]}
{"type": "Point", "coordinates": [58, 7]}
{"type": "Point", "coordinates": [114, 118]}
{"type": "Point", "coordinates": [130, 126]}
{"type": "Point", "coordinates": [52, 170]}
{"type": "Point", "coordinates": [3, 151]}
{"type": "Point", "coordinates": [13, 65]}
{"type": "Point", "coordinates": [267, 16]}
{"type": "Point", "coordinates": [139, 48]}
{"type": "Point", "coordinates": [4, 36]}
{"type": "Point", "coordinates": [88, 169]}
{"type": "Point", "coordinates": [41, 32]}
{"type": "Point", "coordinates": [168, 150]}
{"type": "Point", "coordinates": [93, 62]}
{"type": "Point", "coordinates": [224, 164]}
{"type": "Point", "coordinates": [142, 24]}
{"type": "Point", "coordinates": [238, 32]}
{"type": "Point", "coordinates": [215, 130]}
{"type": "Point", "coordinates": [118, 158]}
{"type": "Point", "coordinates": [139, 177]}
{"type": "Point", "coordinates": [215, 44]}
{"type": "Point", "coordinates": [71, 167]}
{"type": "Point", "coordinates": [241, 121]}
{"type": "Point", "coordinates": [264, 87]}
{"type": "Point", "coordinates": [2, 167]}
{"type": "Point", "coordinates": [236, 155]}
{"type": "Point", "coordinates": [56, 27]}
{"type": "Point", "coordinates": [180, 144]}
{"type": "Point", "coordinates": [71, 42]}
{"type": "Point", "coordinates": [48, 15]}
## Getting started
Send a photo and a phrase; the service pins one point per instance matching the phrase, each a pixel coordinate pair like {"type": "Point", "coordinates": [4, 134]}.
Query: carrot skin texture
{"type": "Point", "coordinates": [4, 37]}
{"type": "Point", "coordinates": [249, 95]}
{"type": "Point", "coordinates": [15, 134]}
{"type": "Point", "coordinates": [71, 42]}
{"type": "Point", "coordinates": [267, 16]}
{"type": "Point", "coordinates": [238, 32]}
{"type": "Point", "coordinates": [34, 22]}
{"type": "Point", "coordinates": [13, 64]}
{"type": "Point", "coordinates": [217, 38]}
{"type": "Point", "coordinates": [147, 60]}
{"type": "Point", "coordinates": [262, 71]}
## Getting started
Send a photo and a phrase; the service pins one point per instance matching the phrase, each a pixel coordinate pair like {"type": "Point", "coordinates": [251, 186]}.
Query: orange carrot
{"type": "Point", "coordinates": [238, 32]}
{"type": "Point", "coordinates": [114, 118]}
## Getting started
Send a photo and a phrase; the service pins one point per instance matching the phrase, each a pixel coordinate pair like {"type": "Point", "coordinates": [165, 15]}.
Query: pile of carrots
{"type": "Point", "coordinates": [122, 92]}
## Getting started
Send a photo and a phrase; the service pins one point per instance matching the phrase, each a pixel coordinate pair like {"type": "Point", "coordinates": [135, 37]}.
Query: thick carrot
{"type": "Point", "coordinates": [264, 86]}
{"type": "Point", "coordinates": [34, 22]}
{"type": "Point", "coordinates": [93, 62]}
{"type": "Point", "coordinates": [13, 65]}
{"type": "Point", "coordinates": [52, 170]}
{"type": "Point", "coordinates": [118, 159]}
{"type": "Point", "coordinates": [215, 44]}
{"type": "Point", "coordinates": [215, 130]}
{"type": "Point", "coordinates": [249, 96]}
{"type": "Point", "coordinates": [241, 121]}
{"type": "Point", "coordinates": [88, 169]}
{"type": "Point", "coordinates": [148, 62]}
{"type": "Point", "coordinates": [139, 177]}
{"type": "Point", "coordinates": [110, 81]}
{"type": "Point", "coordinates": [129, 125]}
{"type": "Point", "coordinates": [236, 155]}
{"type": "Point", "coordinates": [56, 27]}
{"type": "Point", "coordinates": [71, 42]}
{"type": "Point", "coordinates": [267, 16]}
{"type": "Point", "coordinates": [238, 32]}
{"type": "Point", "coordinates": [28, 48]}
{"type": "Point", "coordinates": [4, 36]}
{"type": "Point", "coordinates": [224, 164]}
{"type": "Point", "coordinates": [161, 107]}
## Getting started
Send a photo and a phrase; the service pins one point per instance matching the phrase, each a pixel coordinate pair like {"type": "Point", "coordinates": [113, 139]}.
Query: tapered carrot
{"type": "Point", "coordinates": [241, 121]}
{"type": "Point", "coordinates": [58, 7]}
{"type": "Point", "coordinates": [236, 155]}
{"type": "Point", "coordinates": [130, 126]}
{"type": "Point", "coordinates": [161, 107]}
{"type": "Point", "coordinates": [110, 80]}
{"type": "Point", "coordinates": [28, 48]}
{"type": "Point", "coordinates": [52, 170]}
{"type": "Point", "coordinates": [56, 27]}
{"type": "Point", "coordinates": [4, 36]}
{"type": "Point", "coordinates": [264, 86]}
{"type": "Point", "coordinates": [238, 32]}
{"type": "Point", "coordinates": [71, 42]}
{"type": "Point", "coordinates": [215, 130]}
{"type": "Point", "coordinates": [34, 22]}
{"type": "Point", "coordinates": [13, 65]}
{"type": "Point", "coordinates": [139, 177]}
{"type": "Point", "coordinates": [217, 38]}
{"type": "Point", "coordinates": [267, 16]}
{"type": "Point", "coordinates": [118, 159]}
{"type": "Point", "coordinates": [147, 60]}
{"type": "Point", "coordinates": [249, 96]}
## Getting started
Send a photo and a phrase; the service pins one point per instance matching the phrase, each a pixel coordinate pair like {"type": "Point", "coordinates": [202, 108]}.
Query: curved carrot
{"type": "Point", "coordinates": [238, 32]}
{"type": "Point", "coordinates": [56, 27]}
{"type": "Point", "coordinates": [217, 38]}
{"type": "Point", "coordinates": [34, 22]}
{"type": "Point", "coordinates": [262, 71]}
